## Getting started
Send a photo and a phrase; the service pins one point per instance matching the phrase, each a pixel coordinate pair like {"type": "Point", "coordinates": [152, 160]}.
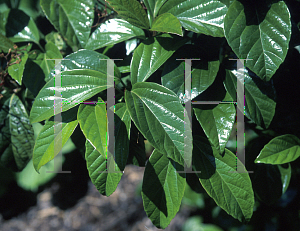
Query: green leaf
{"type": "Point", "coordinates": [3, 20]}
{"type": "Point", "coordinates": [5, 44]}
{"type": "Point", "coordinates": [231, 190]}
{"type": "Point", "coordinates": [167, 23]}
{"type": "Point", "coordinates": [22, 134]}
{"type": "Point", "coordinates": [111, 32]}
{"type": "Point", "coordinates": [48, 144]}
{"type": "Point", "coordinates": [259, 97]}
{"type": "Point", "coordinates": [151, 54]}
{"type": "Point", "coordinates": [286, 173]}
{"type": "Point", "coordinates": [16, 133]}
{"type": "Point", "coordinates": [93, 123]}
{"type": "Point", "coordinates": [105, 181]}
{"type": "Point", "coordinates": [153, 6]}
{"type": "Point", "coordinates": [205, 17]}
{"type": "Point", "coordinates": [122, 134]}
{"type": "Point", "coordinates": [21, 28]}
{"type": "Point", "coordinates": [72, 19]}
{"type": "Point", "coordinates": [259, 32]}
{"type": "Point", "coordinates": [217, 122]}
{"type": "Point", "coordinates": [86, 59]}
{"type": "Point", "coordinates": [44, 59]}
{"type": "Point", "coordinates": [132, 11]}
{"type": "Point", "coordinates": [195, 223]}
{"type": "Point", "coordinates": [158, 114]}
{"type": "Point", "coordinates": [76, 86]}
{"type": "Point", "coordinates": [280, 150]}
{"type": "Point", "coordinates": [162, 190]}
{"type": "Point", "coordinates": [56, 39]}
{"type": "Point", "coordinates": [16, 70]}
{"type": "Point", "coordinates": [83, 76]}
{"type": "Point", "coordinates": [203, 75]}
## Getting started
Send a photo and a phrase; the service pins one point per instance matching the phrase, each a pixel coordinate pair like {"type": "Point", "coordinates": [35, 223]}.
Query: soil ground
{"type": "Point", "coordinates": [122, 211]}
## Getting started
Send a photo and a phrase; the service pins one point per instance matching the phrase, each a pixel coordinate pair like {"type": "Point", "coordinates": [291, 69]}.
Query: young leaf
{"type": "Point", "coordinates": [153, 6]}
{"type": "Point", "coordinates": [280, 150]}
{"type": "Point", "coordinates": [159, 116]}
{"type": "Point", "coordinates": [93, 123]}
{"type": "Point", "coordinates": [231, 190]}
{"type": "Point", "coordinates": [259, 32]}
{"type": "Point", "coordinates": [151, 54]}
{"type": "Point", "coordinates": [259, 97]}
{"type": "Point", "coordinates": [16, 70]}
{"type": "Point", "coordinates": [48, 144]}
{"type": "Point", "coordinates": [73, 19]}
{"type": "Point", "coordinates": [162, 190]}
{"type": "Point", "coordinates": [167, 23]}
{"type": "Point", "coordinates": [106, 179]}
{"type": "Point", "coordinates": [205, 17]}
{"type": "Point", "coordinates": [132, 11]}
{"type": "Point", "coordinates": [111, 32]}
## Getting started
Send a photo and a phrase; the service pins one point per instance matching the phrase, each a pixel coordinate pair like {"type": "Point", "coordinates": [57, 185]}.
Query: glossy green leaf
{"type": "Point", "coordinates": [132, 11]}
{"type": "Point", "coordinates": [151, 54]}
{"type": "Point", "coordinates": [286, 173]}
{"type": "Point", "coordinates": [217, 122]}
{"type": "Point", "coordinates": [162, 190]}
{"type": "Point", "coordinates": [259, 97]}
{"type": "Point", "coordinates": [76, 86]}
{"type": "Point", "coordinates": [122, 134]}
{"type": "Point", "coordinates": [106, 181]}
{"type": "Point", "coordinates": [259, 32]}
{"type": "Point", "coordinates": [231, 190]}
{"type": "Point", "coordinates": [50, 142]}
{"type": "Point", "coordinates": [93, 123]}
{"type": "Point", "coordinates": [111, 32]}
{"type": "Point", "coordinates": [204, 17]}
{"type": "Point", "coordinates": [153, 6]}
{"type": "Point", "coordinates": [280, 150]}
{"type": "Point", "coordinates": [16, 70]}
{"type": "Point", "coordinates": [203, 75]}
{"type": "Point", "coordinates": [22, 135]}
{"type": "Point", "coordinates": [167, 23]}
{"type": "Point", "coordinates": [21, 28]}
{"type": "Point", "coordinates": [159, 116]}
{"type": "Point", "coordinates": [86, 59]}
{"type": "Point", "coordinates": [5, 44]}
{"type": "Point", "coordinates": [73, 19]}
{"type": "Point", "coordinates": [83, 75]}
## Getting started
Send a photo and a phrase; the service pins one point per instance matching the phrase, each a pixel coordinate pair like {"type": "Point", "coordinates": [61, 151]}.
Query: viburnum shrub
{"type": "Point", "coordinates": [155, 48]}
